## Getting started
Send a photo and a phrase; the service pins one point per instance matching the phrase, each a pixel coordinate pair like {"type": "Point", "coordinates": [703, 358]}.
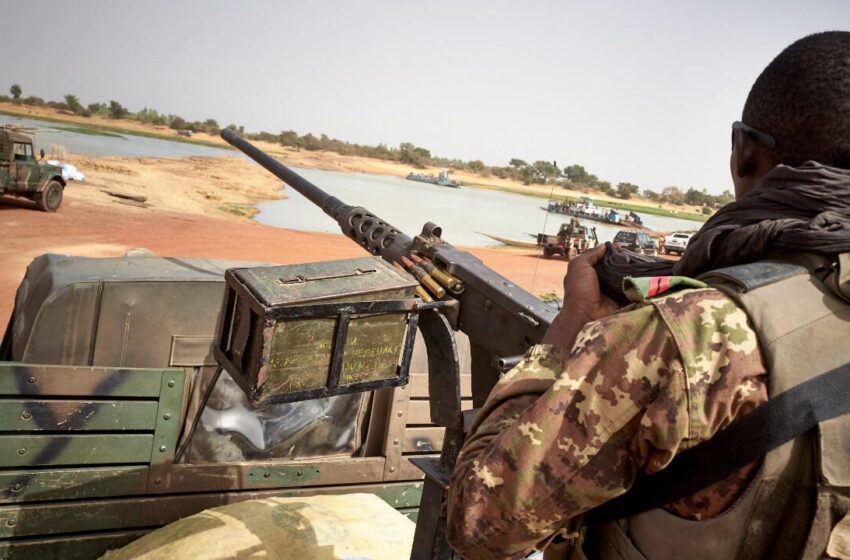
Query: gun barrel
{"type": "Point", "coordinates": [370, 232]}
{"type": "Point", "coordinates": [330, 204]}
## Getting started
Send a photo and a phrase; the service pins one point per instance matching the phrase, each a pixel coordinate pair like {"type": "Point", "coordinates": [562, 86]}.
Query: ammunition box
{"type": "Point", "coordinates": [306, 331]}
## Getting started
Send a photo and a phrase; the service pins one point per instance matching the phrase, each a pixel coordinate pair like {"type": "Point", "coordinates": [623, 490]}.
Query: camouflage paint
{"type": "Point", "coordinates": [18, 176]}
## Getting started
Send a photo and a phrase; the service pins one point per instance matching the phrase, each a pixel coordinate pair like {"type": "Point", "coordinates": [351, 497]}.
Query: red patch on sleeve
{"type": "Point", "coordinates": [658, 285]}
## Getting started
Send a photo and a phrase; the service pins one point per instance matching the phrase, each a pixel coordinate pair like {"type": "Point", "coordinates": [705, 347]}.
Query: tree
{"type": "Point", "coordinates": [408, 153]}
{"type": "Point", "coordinates": [518, 163]}
{"type": "Point", "coordinates": [311, 142]}
{"type": "Point", "coordinates": [725, 198]}
{"type": "Point", "coordinates": [650, 194]}
{"type": "Point", "coordinates": [528, 174]}
{"type": "Point", "coordinates": [286, 138]}
{"type": "Point", "coordinates": [695, 197]}
{"type": "Point", "coordinates": [546, 170]}
{"type": "Point", "coordinates": [16, 91]}
{"type": "Point", "coordinates": [178, 123]}
{"type": "Point", "coordinates": [674, 195]}
{"type": "Point", "coordinates": [99, 108]}
{"type": "Point", "coordinates": [73, 103]}
{"type": "Point", "coordinates": [603, 186]}
{"type": "Point", "coordinates": [476, 166]}
{"type": "Point", "coordinates": [626, 190]}
{"type": "Point", "coordinates": [116, 110]}
{"type": "Point", "coordinates": [706, 210]}
{"type": "Point", "coordinates": [577, 174]}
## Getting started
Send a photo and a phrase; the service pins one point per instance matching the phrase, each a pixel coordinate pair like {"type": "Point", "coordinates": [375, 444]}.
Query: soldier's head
{"type": "Point", "coordinates": [797, 110]}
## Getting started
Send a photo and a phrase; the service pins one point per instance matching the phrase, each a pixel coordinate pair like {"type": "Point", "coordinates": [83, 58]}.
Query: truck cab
{"type": "Point", "coordinates": [21, 174]}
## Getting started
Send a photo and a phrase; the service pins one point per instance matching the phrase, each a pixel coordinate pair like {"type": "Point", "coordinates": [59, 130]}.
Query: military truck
{"type": "Point", "coordinates": [572, 239]}
{"type": "Point", "coordinates": [118, 417]}
{"type": "Point", "coordinates": [21, 174]}
{"type": "Point", "coordinates": [105, 366]}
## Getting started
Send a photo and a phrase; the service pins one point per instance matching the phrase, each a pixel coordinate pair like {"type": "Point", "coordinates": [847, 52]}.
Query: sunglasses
{"type": "Point", "coordinates": [758, 135]}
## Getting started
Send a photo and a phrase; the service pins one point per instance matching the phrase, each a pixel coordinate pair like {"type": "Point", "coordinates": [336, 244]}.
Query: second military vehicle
{"type": "Point", "coordinates": [21, 174]}
{"type": "Point", "coordinates": [572, 239]}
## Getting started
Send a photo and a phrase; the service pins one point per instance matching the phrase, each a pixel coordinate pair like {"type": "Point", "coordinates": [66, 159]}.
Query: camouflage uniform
{"type": "Point", "coordinates": [564, 432]}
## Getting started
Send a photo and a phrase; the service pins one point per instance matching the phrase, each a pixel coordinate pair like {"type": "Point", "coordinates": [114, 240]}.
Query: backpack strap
{"type": "Point", "coordinates": [777, 421]}
{"type": "Point", "coordinates": [799, 400]}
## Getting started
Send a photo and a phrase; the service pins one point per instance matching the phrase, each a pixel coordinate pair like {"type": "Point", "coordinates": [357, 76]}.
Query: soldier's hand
{"type": "Point", "coordinates": [583, 300]}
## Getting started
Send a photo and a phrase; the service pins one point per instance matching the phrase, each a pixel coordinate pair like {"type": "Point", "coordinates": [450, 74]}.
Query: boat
{"type": "Point", "coordinates": [586, 210]}
{"type": "Point", "coordinates": [442, 179]}
{"type": "Point", "coordinates": [511, 242]}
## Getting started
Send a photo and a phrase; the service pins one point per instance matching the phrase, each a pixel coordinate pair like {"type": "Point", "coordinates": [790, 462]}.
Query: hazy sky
{"type": "Point", "coordinates": [635, 91]}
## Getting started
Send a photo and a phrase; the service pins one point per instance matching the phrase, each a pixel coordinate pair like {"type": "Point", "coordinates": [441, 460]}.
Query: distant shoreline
{"type": "Point", "coordinates": [331, 161]}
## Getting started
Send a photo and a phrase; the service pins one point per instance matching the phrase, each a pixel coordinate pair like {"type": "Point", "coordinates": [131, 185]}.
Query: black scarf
{"type": "Point", "coordinates": [795, 209]}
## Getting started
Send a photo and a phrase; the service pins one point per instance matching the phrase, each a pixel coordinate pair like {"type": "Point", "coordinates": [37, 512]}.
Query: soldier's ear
{"type": "Point", "coordinates": [750, 162]}
{"type": "Point", "coordinates": [744, 156]}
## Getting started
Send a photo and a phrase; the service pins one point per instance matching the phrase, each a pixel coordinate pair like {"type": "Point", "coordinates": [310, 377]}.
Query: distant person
{"type": "Point", "coordinates": [616, 393]}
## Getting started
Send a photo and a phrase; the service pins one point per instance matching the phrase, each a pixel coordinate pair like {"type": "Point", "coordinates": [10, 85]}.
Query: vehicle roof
{"type": "Point", "coordinates": [13, 136]}
{"type": "Point", "coordinates": [50, 273]}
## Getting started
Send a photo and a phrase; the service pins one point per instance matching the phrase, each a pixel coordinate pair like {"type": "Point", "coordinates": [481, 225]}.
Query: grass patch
{"type": "Point", "coordinates": [246, 211]}
{"type": "Point", "coordinates": [90, 131]}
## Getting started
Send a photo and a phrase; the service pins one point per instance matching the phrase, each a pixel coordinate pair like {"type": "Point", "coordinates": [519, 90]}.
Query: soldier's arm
{"type": "Point", "coordinates": [562, 433]}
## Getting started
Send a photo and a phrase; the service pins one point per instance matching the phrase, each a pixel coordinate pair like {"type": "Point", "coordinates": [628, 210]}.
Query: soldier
{"type": "Point", "coordinates": [614, 394]}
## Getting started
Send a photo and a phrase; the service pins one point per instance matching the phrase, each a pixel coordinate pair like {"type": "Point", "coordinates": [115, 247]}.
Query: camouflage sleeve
{"type": "Point", "coordinates": [562, 433]}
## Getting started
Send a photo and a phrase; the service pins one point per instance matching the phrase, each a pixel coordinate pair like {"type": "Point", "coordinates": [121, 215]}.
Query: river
{"type": "Point", "coordinates": [464, 213]}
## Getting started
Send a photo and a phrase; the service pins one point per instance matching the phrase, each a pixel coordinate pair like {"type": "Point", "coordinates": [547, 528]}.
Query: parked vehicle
{"type": "Point", "coordinates": [21, 174]}
{"type": "Point", "coordinates": [677, 243]}
{"type": "Point", "coordinates": [572, 239]}
{"type": "Point", "coordinates": [636, 241]}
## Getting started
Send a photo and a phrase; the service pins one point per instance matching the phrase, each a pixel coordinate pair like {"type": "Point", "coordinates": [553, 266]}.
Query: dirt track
{"type": "Point", "coordinates": [91, 228]}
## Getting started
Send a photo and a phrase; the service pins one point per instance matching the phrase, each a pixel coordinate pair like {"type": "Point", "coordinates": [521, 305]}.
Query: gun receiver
{"type": "Point", "coordinates": [500, 318]}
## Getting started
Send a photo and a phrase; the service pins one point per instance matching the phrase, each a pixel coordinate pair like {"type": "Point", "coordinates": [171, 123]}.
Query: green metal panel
{"type": "Point", "coordinates": [67, 548]}
{"type": "Point", "coordinates": [168, 416]}
{"type": "Point", "coordinates": [283, 476]}
{"type": "Point", "coordinates": [68, 415]}
{"type": "Point", "coordinates": [67, 381]}
{"type": "Point", "coordinates": [88, 516]}
{"type": "Point", "coordinates": [35, 450]}
{"type": "Point", "coordinates": [410, 513]}
{"type": "Point", "coordinates": [401, 495]}
{"type": "Point", "coordinates": [68, 484]}
{"type": "Point", "coordinates": [167, 426]}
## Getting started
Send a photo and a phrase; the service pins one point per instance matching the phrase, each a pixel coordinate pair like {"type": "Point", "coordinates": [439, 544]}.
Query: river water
{"type": "Point", "coordinates": [464, 213]}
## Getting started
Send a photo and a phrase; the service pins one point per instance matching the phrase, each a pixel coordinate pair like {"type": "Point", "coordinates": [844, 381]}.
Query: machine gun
{"type": "Point", "coordinates": [501, 320]}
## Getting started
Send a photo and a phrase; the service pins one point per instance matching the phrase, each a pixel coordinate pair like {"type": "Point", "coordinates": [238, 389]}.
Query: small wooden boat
{"type": "Point", "coordinates": [510, 242]}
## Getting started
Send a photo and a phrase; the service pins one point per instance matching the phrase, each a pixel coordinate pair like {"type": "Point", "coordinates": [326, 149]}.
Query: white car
{"type": "Point", "coordinates": [677, 243]}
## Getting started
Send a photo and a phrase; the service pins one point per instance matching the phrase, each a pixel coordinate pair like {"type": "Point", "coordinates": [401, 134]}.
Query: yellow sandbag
{"type": "Point", "coordinates": [350, 526]}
